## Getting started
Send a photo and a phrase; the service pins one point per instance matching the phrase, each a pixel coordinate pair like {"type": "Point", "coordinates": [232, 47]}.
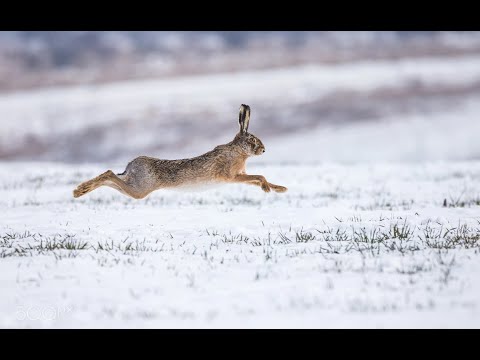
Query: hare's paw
{"type": "Point", "coordinates": [279, 188]}
{"type": "Point", "coordinates": [81, 189]}
{"type": "Point", "coordinates": [77, 193]}
{"type": "Point", "coordinates": [265, 187]}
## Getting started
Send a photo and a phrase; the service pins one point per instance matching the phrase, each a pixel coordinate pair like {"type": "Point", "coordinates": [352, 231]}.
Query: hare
{"type": "Point", "coordinates": [224, 164]}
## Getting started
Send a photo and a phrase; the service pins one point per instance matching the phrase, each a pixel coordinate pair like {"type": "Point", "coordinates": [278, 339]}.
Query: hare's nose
{"type": "Point", "coordinates": [264, 150]}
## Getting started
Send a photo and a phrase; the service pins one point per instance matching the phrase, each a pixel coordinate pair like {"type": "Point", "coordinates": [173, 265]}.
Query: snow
{"type": "Point", "coordinates": [229, 257]}
{"type": "Point", "coordinates": [362, 238]}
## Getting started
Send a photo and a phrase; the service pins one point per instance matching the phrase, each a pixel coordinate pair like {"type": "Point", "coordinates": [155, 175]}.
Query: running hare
{"type": "Point", "coordinates": [225, 163]}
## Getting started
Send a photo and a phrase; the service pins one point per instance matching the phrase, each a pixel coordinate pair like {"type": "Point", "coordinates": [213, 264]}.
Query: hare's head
{"type": "Point", "coordinates": [251, 144]}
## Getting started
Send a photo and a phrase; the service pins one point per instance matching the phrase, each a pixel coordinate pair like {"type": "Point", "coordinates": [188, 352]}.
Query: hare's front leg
{"type": "Point", "coordinates": [259, 180]}
{"type": "Point", "coordinates": [277, 188]}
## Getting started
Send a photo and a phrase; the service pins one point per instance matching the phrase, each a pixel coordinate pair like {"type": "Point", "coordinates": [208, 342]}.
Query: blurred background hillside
{"type": "Point", "coordinates": [315, 96]}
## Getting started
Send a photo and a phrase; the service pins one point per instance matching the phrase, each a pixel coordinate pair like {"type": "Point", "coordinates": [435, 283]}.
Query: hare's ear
{"type": "Point", "coordinates": [244, 118]}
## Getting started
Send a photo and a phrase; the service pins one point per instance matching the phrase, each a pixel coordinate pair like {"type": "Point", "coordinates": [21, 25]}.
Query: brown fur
{"type": "Point", "coordinates": [225, 163]}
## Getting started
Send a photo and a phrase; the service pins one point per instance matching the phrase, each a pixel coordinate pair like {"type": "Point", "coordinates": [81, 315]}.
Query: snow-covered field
{"type": "Point", "coordinates": [380, 226]}
{"type": "Point", "coordinates": [365, 245]}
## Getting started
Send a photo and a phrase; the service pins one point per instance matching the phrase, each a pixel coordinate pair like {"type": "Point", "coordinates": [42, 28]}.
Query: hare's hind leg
{"type": "Point", "coordinates": [90, 185]}
{"type": "Point", "coordinates": [108, 178]}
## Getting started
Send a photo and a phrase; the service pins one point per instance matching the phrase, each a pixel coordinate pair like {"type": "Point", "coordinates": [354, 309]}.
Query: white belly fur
{"type": "Point", "coordinates": [198, 187]}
